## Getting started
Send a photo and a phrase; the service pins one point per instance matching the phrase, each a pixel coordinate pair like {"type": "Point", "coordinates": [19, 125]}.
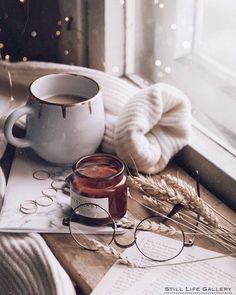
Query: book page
{"type": "Point", "coordinates": [214, 276]}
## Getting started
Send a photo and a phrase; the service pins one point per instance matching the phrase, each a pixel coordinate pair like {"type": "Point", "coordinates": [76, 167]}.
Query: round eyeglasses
{"type": "Point", "coordinates": [90, 224]}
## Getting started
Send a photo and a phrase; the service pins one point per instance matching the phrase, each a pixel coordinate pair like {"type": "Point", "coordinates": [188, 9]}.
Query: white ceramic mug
{"type": "Point", "coordinates": [60, 131]}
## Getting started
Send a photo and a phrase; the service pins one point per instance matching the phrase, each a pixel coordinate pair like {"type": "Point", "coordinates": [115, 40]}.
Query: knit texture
{"type": "Point", "coordinates": [153, 126]}
{"type": "Point", "coordinates": [146, 127]}
{"type": "Point", "coordinates": [28, 267]}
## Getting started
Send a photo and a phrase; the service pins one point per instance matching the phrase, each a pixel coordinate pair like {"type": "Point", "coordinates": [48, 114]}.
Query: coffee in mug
{"type": "Point", "coordinates": [64, 99]}
{"type": "Point", "coordinates": [64, 118]}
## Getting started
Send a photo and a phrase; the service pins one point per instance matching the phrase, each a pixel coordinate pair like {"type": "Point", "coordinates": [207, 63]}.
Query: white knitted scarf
{"type": "Point", "coordinates": [146, 127]}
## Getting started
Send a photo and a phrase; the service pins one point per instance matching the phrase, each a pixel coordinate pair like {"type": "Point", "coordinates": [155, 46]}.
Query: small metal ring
{"type": "Point", "coordinates": [39, 203]}
{"type": "Point", "coordinates": [28, 209]}
{"type": "Point", "coordinates": [32, 211]}
{"type": "Point", "coordinates": [49, 192]}
{"type": "Point", "coordinates": [41, 175]}
{"type": "Point", "coordinates": [58, 177]}
{"type": "Point", "coordinates": [58, 187]}
{"type": "Point", "coordinates": [28, 202]}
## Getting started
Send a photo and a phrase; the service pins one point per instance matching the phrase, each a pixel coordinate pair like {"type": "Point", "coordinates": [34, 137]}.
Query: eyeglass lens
{"type": "Point", "coordinates": [156, 240]}
{"type": "Point", "coordinates": [89, 222]}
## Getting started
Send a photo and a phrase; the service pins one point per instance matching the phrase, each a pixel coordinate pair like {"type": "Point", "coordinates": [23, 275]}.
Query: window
{"type": "Point", "coordinates": [189, 44]}
{"type": "Point", "coordinates": [178, 42]}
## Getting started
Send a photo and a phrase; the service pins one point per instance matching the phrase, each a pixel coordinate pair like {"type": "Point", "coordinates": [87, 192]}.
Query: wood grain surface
{"type": "Point", "coordinates": [87, 268]}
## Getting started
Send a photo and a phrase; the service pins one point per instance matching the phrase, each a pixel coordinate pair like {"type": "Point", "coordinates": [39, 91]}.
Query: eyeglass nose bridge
{"type": "Point", "coordinates": [124, 246]}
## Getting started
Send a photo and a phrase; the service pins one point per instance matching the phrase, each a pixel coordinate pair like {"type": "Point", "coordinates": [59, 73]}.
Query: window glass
{"type": "Point", "coordinates": [189, 44]}
{"type": "Point", "coordinates": [218, 31]}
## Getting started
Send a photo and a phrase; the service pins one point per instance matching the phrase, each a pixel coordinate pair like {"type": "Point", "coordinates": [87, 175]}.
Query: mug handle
{"type": "Point", "coordinates": [11, 120]}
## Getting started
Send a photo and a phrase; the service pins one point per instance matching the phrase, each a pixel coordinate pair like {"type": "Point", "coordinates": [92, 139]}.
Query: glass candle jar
{"type": "Point", "coordinates": [99, 179]}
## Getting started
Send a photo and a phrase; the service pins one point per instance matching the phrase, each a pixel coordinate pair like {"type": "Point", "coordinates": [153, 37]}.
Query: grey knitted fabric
{"type": "Point", "coordinates": [28, 267]}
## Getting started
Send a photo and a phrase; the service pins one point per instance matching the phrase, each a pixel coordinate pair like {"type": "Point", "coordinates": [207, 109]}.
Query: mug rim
{"type": "Point", "coordinates": [34, 97]}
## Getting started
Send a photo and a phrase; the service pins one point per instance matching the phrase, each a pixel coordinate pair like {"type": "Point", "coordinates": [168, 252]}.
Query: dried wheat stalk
{"type": "Point", "coordinates": [222, 236]}
{"type": "Point", "coordinates": [195, 203]}
{"type": "Point", "coordinates": [126, 223]}
{"type": "Point", "coordinates": [159, 205]}
{"type": "Point", "coordinates": [172, 190]}
{"type": "Point", "coordinates": [161, 228]}
{"type": "Point", "coordinates": [111, 251]}
{"type": "Point", "coordinates": [205, 210]}
{"type": "Point", "coordinates": [168, 189]}
{"type": "Point", "coordinates": [146, 226]}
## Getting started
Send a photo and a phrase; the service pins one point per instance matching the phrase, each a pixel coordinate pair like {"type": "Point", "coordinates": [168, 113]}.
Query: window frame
{"type": "Point", "coordinates": [106, 43]}
{"type": "Point", "coordinates": [204, 153]}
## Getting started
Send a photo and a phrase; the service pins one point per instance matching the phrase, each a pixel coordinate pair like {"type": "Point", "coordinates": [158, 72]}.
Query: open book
{"type": "Point", "coordinates": [176, 277]}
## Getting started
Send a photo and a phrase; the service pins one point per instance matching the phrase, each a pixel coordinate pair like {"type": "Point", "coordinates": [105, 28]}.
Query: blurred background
{"type": "Point", "coordinates": [189, 44]}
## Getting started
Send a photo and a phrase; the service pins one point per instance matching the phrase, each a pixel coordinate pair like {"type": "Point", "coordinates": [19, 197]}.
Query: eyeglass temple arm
{"type": "Point", "coordinates": [191, 241]}
{"type": "Point", "coordinates": [178, 207]}
{"type": "Point", "coordinates": [173, 211]}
